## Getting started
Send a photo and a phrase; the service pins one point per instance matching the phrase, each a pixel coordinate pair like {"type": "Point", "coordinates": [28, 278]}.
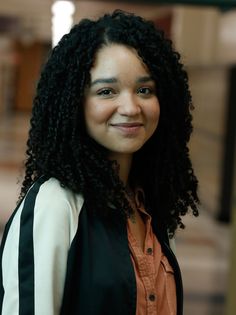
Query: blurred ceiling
{"type": "Point", "coordinates": [32, 18]}
{"type": "Point", "coordinates": [221, 3]}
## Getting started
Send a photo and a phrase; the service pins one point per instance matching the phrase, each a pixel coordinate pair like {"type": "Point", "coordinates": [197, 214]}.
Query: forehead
{"type": "Point", "coordinates": [117, 59]}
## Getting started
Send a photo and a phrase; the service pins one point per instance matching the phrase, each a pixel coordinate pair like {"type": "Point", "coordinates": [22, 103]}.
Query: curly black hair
{"type": "Point", "coordinates": [59, 146]}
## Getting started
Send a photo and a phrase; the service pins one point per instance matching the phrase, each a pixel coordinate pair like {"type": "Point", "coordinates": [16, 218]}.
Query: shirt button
{"type": "Point", "coordinates": [152, 297]}
{"type": "Point", "coordinates": [149, 251]}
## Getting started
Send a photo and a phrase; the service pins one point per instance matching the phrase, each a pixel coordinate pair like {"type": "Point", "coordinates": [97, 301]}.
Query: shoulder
{"type": "Point", "coordinates": [49, 194]}
{"type": "Point", "coordinates": [55, 200]}
{"type": "Point", "coordinates": [51, 207]}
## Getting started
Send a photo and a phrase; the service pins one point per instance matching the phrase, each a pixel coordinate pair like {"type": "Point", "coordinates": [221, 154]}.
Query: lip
{"type": "Point", "coordinates": [128, 128]}
{"type": "Point", "coordinates": [127, 125]}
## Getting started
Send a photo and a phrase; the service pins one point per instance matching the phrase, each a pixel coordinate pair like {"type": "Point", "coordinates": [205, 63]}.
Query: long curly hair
{"type": "Point", "coordinates": [59, 146]}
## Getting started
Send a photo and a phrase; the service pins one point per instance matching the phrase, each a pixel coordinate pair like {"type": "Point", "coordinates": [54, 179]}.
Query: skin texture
{"type": "Point", "coordinates": [121, 107]}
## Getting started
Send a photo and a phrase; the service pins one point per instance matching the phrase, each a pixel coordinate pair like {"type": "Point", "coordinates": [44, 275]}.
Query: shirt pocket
{"type": "Point", "coordinates": [170, 288]}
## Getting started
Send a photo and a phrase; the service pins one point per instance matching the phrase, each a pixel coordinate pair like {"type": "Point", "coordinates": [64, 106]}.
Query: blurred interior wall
{"type": "Point", "coordinates": [209, 87]}
{"type": "Point", "coordinates": [207, 41]}
{"type": "Point", "coordinates": [195, 33]}
{"type": "Point", "coordinates": [198, 33]}
{"type": "Point", "coordinates": [7, 66]}
{"type": "Point", "coordinates": [30, 58]}
{"type": "Point", "coordinates": [20, 65]}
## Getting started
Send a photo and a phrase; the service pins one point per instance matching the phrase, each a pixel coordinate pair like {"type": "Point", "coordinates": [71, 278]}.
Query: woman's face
{"type": "Point", "coordinates": [121, 106]}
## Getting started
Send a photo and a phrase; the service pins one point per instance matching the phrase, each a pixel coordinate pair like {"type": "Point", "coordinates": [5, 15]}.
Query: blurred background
{"type": "Point", "coordinates": [204, 32]}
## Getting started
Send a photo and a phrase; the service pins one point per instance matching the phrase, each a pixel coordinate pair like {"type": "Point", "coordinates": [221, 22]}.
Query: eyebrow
{"type": "Point", "coordinates": [104, 80]}
{"type": "Point", "coordinates": [115, 80]}
{"type": "Point", "coordinates": [145, 79]}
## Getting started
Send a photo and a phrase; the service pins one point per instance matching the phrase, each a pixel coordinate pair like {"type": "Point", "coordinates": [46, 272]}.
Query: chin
{"type": "Point", "coordinates": [130, 150]}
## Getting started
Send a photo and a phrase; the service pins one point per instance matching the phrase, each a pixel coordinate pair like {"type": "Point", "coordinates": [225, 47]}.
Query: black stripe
{"type": "Point", "coordinates": [26, 253]}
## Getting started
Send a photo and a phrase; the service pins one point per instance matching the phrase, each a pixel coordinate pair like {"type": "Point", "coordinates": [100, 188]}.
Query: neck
{"type": "Point", "coordinates": [124, 161]}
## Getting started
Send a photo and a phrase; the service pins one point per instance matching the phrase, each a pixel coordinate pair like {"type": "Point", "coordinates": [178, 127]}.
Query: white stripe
{"type": "Point", "coordinates": [10, 267]}
{"type": "Point", "coordinates": [55, 225]}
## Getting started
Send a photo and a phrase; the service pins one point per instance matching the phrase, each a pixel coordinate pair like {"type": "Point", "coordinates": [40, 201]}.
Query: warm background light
{"type": "Point", "coordinates": [62, 19]}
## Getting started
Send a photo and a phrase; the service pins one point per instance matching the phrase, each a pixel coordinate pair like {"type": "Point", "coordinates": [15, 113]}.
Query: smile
{"type": "Point", "coordinates": [128, 128]}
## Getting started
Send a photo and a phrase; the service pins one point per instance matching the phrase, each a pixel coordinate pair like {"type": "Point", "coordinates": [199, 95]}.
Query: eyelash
{"type": "Point", "coordinates": [150, 91]}
{"type": "Point", "coordinates": [104, 91]}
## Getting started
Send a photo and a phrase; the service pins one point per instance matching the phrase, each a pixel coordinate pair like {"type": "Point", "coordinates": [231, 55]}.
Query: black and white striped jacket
{"type": "Point", "coordinates": [58, 259]}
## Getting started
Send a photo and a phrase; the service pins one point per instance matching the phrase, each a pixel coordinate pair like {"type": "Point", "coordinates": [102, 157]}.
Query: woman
{"type": "Point", "coordinates": [108, 176]}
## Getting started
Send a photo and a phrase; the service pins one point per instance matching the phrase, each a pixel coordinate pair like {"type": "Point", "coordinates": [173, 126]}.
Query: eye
{"type": "Point", "coordinates": [145, 91]}
{"type": "Point", "coordinates": [105, 92]}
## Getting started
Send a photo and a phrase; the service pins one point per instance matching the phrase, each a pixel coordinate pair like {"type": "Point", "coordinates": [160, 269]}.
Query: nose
{"type": "Point", "coordinates": [129, 105]}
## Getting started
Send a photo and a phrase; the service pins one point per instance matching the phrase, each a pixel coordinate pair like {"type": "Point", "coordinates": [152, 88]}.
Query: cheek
{"type": "Point", "coordinates": [89, 115]}
{"type": "Point", "coordinates": [96, 112]}
{"type": "Point", "coordinates": [153, 113]}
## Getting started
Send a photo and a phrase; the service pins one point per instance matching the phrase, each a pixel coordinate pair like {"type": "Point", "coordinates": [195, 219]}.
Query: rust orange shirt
{"type": "Point", "coordinates": [156, 291]}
